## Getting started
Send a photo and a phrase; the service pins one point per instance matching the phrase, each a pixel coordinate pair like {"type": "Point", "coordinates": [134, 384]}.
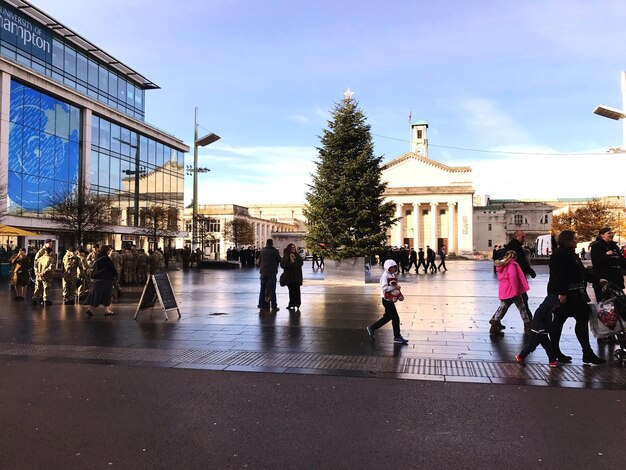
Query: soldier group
{"type": "Point", "coordinates": [246, 256]}
{"type": "Point", "coordinates": [133, 267]}
{"type": "Point", "coordinates": [406, 259]}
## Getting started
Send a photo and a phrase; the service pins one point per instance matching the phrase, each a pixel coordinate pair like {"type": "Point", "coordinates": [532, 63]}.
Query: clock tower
{"type": "Point", "coordinates": [419, 138]}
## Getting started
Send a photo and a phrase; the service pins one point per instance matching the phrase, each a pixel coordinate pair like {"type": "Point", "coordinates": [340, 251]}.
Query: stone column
{"type": "Point", "coordinates": [451, 241]}
{"type": "Point", "coordinates": [433, 225]}
{"type": "Point", "coordinates": [416, 226]}
{"type": "Point", "coordinates": [398, 227]}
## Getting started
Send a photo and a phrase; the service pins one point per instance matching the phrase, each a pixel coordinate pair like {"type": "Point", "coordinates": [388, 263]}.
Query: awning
{"type": "Point", "coordinates": [8, 231]}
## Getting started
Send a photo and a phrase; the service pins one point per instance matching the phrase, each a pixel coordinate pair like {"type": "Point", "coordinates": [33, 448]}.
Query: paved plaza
{"type": "Point", "coordinates": [228, 386]}
{"type": "Point", "coordinates": [444, 316]}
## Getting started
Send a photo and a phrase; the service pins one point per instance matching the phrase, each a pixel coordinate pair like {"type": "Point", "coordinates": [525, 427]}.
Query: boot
{"type": "Point", "coordinates": [495, 327]}
{"type": "Point", "coordinates": [591, 358]}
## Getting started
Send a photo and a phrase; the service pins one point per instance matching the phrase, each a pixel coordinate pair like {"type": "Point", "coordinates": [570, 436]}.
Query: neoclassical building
{"type": "Point", "coordinates": [434, 201]}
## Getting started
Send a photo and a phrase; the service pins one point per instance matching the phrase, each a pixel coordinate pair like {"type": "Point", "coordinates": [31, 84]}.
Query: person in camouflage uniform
{"type": "Point", "coordinates": [84, 274]}
{"type": "Point", "coordinates": [128, 267]}
{"type": "Point", "coordinates": [91, 257]}
{"type": "Point", "coordinates": [45, 272]}
{"type": "Point", "coordinates": [71, 271]}
{"type": "Point", "coordinates": [116, 257]}
{"type": "Point", "coordinates": [38, 293]}
{"type": "Point", "coordinates": [142, 266]}
{"type": "Point", "coordinates": [158, 261]}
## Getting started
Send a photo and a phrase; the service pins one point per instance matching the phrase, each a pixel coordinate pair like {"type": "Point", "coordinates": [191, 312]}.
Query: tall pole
{"type": "Point", "coordinates": [623, 77]}
{"type": "Point", "coordinates": [136, 200]}
{"type": "Point", "coordinates": [194, 220]}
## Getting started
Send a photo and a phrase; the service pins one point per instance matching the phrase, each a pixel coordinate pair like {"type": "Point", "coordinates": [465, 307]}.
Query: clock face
{"type": "Point", "coordinates": [420, 150]}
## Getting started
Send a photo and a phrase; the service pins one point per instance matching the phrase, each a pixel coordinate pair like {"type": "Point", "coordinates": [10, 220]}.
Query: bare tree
{"type": "Point", "coordinates": [85, 214]}
{"type": "Point", "coordinates": [239, 231]}
{"type": "Point", "coordinates": [157, 222]}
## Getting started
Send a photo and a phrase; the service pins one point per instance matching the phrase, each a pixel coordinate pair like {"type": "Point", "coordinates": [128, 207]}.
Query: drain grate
{"type": "Point", "coordinates": [422, 368]}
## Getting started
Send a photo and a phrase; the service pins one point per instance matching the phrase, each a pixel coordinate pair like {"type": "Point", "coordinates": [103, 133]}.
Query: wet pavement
{"type": "Point", "coordinates": [444, 316]}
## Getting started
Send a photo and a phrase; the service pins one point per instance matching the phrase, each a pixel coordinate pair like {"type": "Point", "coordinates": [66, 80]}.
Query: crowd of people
{"type": "Point", "coordinates": [81, 270]}
{"type": "Point", "coordinates": [406, 259]}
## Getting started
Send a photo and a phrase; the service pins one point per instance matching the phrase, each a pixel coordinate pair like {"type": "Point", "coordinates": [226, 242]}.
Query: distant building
{"type": "Point", "coordinates": [433, 200]}
{"type": "Point", "coordinates": [495, 223]}
{"type": "Point", "coordinates": [213, 217]}
{"type": "Point", "coordinates": [72, 116]}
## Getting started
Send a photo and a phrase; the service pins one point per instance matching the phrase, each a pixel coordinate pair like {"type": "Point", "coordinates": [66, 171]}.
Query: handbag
{"type": "Point", "coordinates": [282, 280]}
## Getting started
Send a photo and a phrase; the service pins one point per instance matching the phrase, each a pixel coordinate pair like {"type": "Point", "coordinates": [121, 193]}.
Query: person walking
{"type": "Point", "coordinates": [517, 245]}
{"type": "Point", "coordinates": [71, 269]}
{"type": "Point", "coordinates": [103, 275]}
{"type": "Point", "coordinates": [292, 275]}
{"type": "Point", "coordinates": [430, 260]}
{"type": "Point", "coordinates": [37, 291]}
{"type": "Point", "coordinates": [422, 261]}
{"type": "Point", "coordinates": [512, 284]}
{"type": "Point", "coordinates": [412, 260]}
{"type": "Point", "coordinates": [442, 257]}
{"type": "Point", "coordinates": [568, 280]}
{"type": "Point", "coordinates": [388, 283]}
{"type": "Point", "coordinates": [607, 261]}
{"type": "Point", "coordinates": [269, 260]}
{"type": "Point", "coordinates": [20, 263]}
{"type": "Point", "coordinates": [540, 330]}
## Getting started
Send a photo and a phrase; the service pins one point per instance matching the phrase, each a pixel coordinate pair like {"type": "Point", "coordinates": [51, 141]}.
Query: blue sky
{"type": "Point", "coordinates": [489, 76]}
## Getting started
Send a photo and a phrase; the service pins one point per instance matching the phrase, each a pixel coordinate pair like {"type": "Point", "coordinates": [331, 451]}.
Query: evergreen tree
{"type": "Point", "coordinates": [346, 212]}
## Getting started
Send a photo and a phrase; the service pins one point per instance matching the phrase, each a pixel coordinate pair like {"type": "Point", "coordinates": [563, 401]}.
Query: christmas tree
{"type": "Point", "coordinates": [346, 213]}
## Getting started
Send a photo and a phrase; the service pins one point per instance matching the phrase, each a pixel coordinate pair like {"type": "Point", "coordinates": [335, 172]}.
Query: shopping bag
{"type": "Point", "coordinates": [597, 327]}
{"type": "Point", "coordinates": [607, 314]}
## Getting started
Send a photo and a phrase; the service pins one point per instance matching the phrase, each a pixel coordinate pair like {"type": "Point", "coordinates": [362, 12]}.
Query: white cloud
{"type": "Point", "coordinates": [520, 176]}
{"type": "Point", "coordinates": [300, 119]}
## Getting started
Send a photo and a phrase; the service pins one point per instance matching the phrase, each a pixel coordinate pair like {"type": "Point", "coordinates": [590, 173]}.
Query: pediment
{"type": "Point", "coordinates": [413, 170]}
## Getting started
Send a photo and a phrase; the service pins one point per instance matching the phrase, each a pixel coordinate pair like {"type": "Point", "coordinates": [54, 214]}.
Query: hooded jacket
{"type": "Point", "coordinates": [387, 278]}
{"type": "Point", "coordinates": [512, 281]}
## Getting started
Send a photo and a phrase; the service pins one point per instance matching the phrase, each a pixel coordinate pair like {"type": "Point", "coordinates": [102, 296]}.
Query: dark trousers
{"type": "Point", "coordinates": [535, 340]}
{"type": "Point", "coordinates": [268, 282]}
{"type": "Point", "coordinates": [421, 263]}
{"type": "Point", "coordinates": [412, 263]}
{"type": "Point", "coordinates": [294, 295]}
{"type": "Point", "coordinates": [391, 314]}
{"type": "Point", "coordinates": [575, 307]}
{"type": "Point", "coordinates": [442, 264]}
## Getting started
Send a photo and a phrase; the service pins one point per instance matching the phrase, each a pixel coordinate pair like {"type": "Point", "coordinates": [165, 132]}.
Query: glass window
{"type": "Point", "coordinates": [160, 155]}
{"type": "Point", "coordinates": [139, 99]}
{"type": "Point", "coordinates": [115, 138]}
{"type": "Point", "coordinates": [93, 170]}
{"type": "Point", "coordinates": [103, 171]}
{"type": "Point", "coordinates": [81, 67]}
{"type": "Point", "coordinates": [57, 54]}
{"type": "Point", "coordinates": [115, 175]}
{"type": "Point", "coordinates": [75, 121]}
{"type": "Point", "coordinates": [62, 116]}
{"type": "Point", "coordinates": [16, 113]}
{"type": "Point", "coordinates": [151, 152]}
{"type": "Point", "coordinates": [105, 134]}
{"type": "Point", "coordinates": [95, 130]}
{"type": "Point", "coordinates": [143, 149]}
{"type": "Point", "coordinates": [112, 85]}
{"type": "Point", "coordinates": [70, 61]}
{"type": "Point", "coordinates": [93, 73]}
{"type": "Point", "coordinates": [121, 90]}
{"type": "Point", "coordinates": [103, 79]}
{"type": "Point", "coordinates": [130, 94]}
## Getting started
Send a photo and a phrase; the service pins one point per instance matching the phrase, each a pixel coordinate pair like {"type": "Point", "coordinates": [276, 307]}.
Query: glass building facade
{"type": "Point", "coordinates": [75, 118]}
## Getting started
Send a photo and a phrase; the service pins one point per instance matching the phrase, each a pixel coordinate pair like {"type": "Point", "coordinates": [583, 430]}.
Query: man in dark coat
{"type": "Point", "coordinates": [607, 261]}
{"type": "Point", "coordinates": [442, 256]}
{"type": "Point", "coordinates": [269, 260]}
{"type": "Point", "coordinates": [412, 260]}
{"type": "Point", "coordinates": [430, 258]}
{"type": "Point", "coordinates": [422, 260]}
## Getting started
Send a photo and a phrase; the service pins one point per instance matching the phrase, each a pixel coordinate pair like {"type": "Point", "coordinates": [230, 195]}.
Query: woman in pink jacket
{"type": "Point", "coordinates": [512, 285]}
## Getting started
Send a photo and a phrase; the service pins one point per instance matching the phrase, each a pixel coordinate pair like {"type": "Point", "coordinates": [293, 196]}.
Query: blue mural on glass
{"type": "Point", "coordinates": [43, 148]}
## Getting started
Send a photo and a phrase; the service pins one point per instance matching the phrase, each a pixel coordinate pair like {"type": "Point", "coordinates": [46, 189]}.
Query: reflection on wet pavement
{"type": "Point", "coordinates": [445, 317]}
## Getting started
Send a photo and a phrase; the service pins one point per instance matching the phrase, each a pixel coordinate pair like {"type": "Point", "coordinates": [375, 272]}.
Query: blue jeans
{"type": "Point", "coordinates": [268, 281]}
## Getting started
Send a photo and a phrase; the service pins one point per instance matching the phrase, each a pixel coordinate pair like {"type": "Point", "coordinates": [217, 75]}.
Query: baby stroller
{"type": "Point", "coordinates": [608, 319]}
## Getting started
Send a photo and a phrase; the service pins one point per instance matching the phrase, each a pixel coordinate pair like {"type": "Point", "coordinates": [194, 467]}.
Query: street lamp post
{"type": "Point", "coordinates": [198, 142]}
{"type": "Point", "coordinates": [616, 114]}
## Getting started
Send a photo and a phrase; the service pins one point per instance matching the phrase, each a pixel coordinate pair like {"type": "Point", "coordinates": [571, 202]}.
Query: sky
{"type": "Point", "coordinates": [506, 88]}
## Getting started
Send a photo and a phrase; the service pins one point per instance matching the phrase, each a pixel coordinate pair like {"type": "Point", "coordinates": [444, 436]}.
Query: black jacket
{"type": "Point", "coordinates": [516, 246]}
{"type": "Point", "coordinates": [269, 261]}
{"type": "Point", "coordinates": [292, 269]}
{"type": "Point", "coordinates": [605, 266]}
{"type": "Point", "coordinates": [103, 268]}
{"type": "Point", "coordinates": [566, 270]}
